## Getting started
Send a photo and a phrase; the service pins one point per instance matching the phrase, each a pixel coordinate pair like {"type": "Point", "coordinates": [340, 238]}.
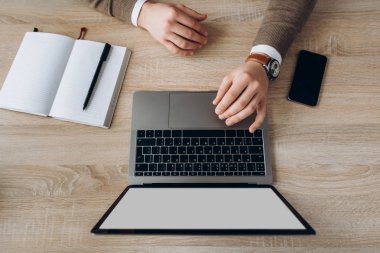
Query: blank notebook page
{"type": "Point", "coordinates": [36, 72]}
{"type": "Point", "coordinates": [76, 81]}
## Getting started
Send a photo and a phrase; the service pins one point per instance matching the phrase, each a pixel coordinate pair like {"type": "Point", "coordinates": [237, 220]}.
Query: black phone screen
{"type": "Point", "coordinates": [307, 78]}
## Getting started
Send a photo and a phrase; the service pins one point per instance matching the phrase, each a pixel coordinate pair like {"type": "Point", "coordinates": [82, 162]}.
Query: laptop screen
{"type": "Point", "coordinates": [198, 208]}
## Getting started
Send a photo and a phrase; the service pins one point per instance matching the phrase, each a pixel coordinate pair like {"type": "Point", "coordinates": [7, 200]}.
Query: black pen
{"type": "Point", "coordinates": [103, 58]}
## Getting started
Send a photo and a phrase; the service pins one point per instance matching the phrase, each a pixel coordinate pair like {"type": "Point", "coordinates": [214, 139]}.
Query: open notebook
{"type": "Point", "coordinates": [52, 73]}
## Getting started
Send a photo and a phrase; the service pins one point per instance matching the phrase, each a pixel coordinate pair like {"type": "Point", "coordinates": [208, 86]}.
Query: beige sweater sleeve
{"type": "Point", "coordinates": [121, 9]}
{"type": "Point", "coordinates": [282, 21]}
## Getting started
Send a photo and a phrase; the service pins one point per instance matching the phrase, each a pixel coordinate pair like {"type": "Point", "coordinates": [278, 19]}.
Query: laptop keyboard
{"type": "Point", "coordinates": [199, 153]}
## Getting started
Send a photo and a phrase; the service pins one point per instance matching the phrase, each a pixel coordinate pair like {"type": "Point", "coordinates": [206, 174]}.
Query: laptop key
{"type": "Point", "coordinates": [221, 141]}
{"type": "Point", "coordinates": [184, 158]}
{"type": "Point", "coordinates": [237, 158]}
{"type": "Point", "coordinates": [240, 133]}
{"type": "Point", "coordinates": [186, 142]}
{"type": "Point", "coordinates": [174, 173]}
{"type": "Point", "coordinates": [215, 167]}
{"type": "Point", "coordinates": [224, 166]}
{"type": "Point", "coordinates": [226, 150]}
{"type": "Point", "coordinates": [164, 150]}
{"type": "Point", "coordinates": [155, 150]}
{"type": "Point", "coordinates": [201, 158]}
{"type": "Point", "coordinates": [146, 142]}
{"type": "Point", "coordinates": [257, 158]}
{"type": "Point", "coordinates": [258, 173]}
{"type": "Point", "coordinates": [228, 173]}
{"type": "Point", "coordinates": [219, 173]}
{"type": "Point", "coordinates": [238, 141]}
{"type": "Point", "coordinates": [167, 133]}
{"type": "Point", "coordinates": [169, 141]}
{"type": "Point", "coordinates": [161, 167]}
{"type": "Point", "coordinates": [149, 133]}
{"type": "Point", "coordinates": [184, 173]}
{"type": "Point", "coordinates": [242, 167]}
{"type": "Point", "coordinates": [230, 141]}
{"type": "Point", "coordinates": [219, 158]}
{"type": "Point", "coordinates": [174, 158]}
{"type": "Point", "coordinates": [156, 173]}
{"type": "Point", "coordinates": [152, 167]}
{"type": "Point", "coordinates": [260, 166]}
{"type": "Point", "coordinates": [148, 174]}
{"type": "Point", "coordinates": [193, 158]}
{"type": "Point", "coordinates": [158, 133]}
{"type": "Point", "coordinates": [197, 167]}
{"type": "Point", "coordinates": [188, 167]}
{"type": "Point", "coordinates": [199, 150]}
{"type": "Point", "coordinates": [251, 167]}
{"type": "Point", "coordinates": [217, 150]}
{"type": "Point", "coordinates": [177, 141]}
{"type": "Point", "coordinates": [210, 174]}
{"type": "Point", "coordinates": [258, 133]}
{"type": "Point", "coordinates": [232, 167]}
{"type": "Point", "coordinates": [181, 150]}
{"type": "Point", "coordinates": [212, 141]}
{"type": "Point", "coordinates": [243, 150]}
{"type": "Point", "coordinates": [193, 173]}
{"type": "Point", "coordinates": [228, 158]}
{"type": "Point", "coordinates": [138, 174]}
{"type": "Point", "coordinates": [195, 141]}
{"type": "Point", "coordinates": [173, 150]}
{"type": "Point", "coordinates": [176, 133]}
{"type": "Point", "coordinates": [147, 150]}
{"type": "Point", "coordinates": [208, 150]}
{"type": "Point", "coordinates": [166, 158]}
{"type": "Point", "coordinates": [148, 159]}
{"type": "Point", "coordinates": [190, 150]}
{"type": "Point", "coordinates": [141, 133]}
{"type": "Point", "coordinates": [157, 158]}
{"type": "Point", "coordinates": [203, 141]}
{"type": "Point", "coordinates": [165, 173]}
{"type": "Point", "coordinates": [235, 150]}
{"type": "Point", "coordinates": [206, 167]}
{"type": "Point", "coordinates": [202, 173]}
{"type": "Point", "coordinates": [257, 141]}
{"type": "Point", "coordinates": [210, 158]}
{"type": "Point", "coordinates": [246, 158]}
{"type": "Point", "coordinates": [179, 167]}
{"type": "Point", "coordinates": [170, 167]}
{"type": "Point", "coordinates": [255, 149]}
{"type": "Point", "coordinates": [139, 158]}
{"type": "Point", "coordinates": [141, 167]}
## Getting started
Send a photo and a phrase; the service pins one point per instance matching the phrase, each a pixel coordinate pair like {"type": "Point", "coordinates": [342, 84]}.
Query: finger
{"type": "Point", "coordinates": [243, 114]}
{"type": "Point", "coordinates": [182, 43]}
{"type": "Point", "coordinates": [188, 33]}
{"type": "Point", "coordinates": [226, 83]}
{"type": "Point", "coordinates": [190, 22]}
{"type": "Point", "coordinates": [241, 103]}
{"type": "Point", "coordinates": [176, 50]}
{"type": "Point", "coordinates": [260, 116]}
{"type": "Point", "coordinates": [233, 92]}
{"type": "Point", "coordinates": [191, 12]}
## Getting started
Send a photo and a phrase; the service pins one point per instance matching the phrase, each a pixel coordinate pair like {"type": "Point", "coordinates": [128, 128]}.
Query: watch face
{"type": "Point", "coordinates": [274, 68]}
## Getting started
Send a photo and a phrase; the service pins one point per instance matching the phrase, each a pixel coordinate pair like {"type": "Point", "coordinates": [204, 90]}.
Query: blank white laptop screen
{"type": "Point", "coordinates": [201, 208]}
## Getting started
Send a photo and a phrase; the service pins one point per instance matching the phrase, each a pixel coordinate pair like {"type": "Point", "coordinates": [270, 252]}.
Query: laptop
{"type": "Point", "coordinates": [191, 174]}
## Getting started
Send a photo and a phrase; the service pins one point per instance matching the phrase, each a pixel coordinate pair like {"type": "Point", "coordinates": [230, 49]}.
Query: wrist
{"type": "Point", "coordinates": [143, 18]}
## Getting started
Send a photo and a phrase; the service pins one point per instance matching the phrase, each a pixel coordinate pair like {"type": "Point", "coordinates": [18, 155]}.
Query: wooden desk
{"type": "Point", "coordinates": [58, 178]}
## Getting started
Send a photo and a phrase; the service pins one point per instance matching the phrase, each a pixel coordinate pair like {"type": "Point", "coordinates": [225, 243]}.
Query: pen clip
{"type": "Point", "coordinates": [82, 33]}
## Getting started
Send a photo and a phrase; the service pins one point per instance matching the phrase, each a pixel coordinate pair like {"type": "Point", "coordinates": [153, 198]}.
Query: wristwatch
{"type": "Point", "coordinates": [271, 66]}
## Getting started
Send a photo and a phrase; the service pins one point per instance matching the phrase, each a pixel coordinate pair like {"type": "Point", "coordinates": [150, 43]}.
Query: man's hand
{"type": "Point", "coordinates": [243, 92]}
{"type": "Point", "coordinates": [175, 26]}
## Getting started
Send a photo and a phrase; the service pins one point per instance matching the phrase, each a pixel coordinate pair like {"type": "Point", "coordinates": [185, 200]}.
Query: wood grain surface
{"type": "Point", "coordinates": [58, 178]}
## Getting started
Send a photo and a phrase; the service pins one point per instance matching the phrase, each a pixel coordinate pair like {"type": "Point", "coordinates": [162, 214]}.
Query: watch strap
{"type": "Point", "coordinates": [257, 57]}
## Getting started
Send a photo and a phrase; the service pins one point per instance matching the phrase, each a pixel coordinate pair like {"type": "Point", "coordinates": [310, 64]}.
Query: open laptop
{"type": "Point", "coordinates": [191, 174]}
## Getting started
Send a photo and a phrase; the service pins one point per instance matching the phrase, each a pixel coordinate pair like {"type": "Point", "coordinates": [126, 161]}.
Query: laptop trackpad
{"type": "Point", "coordinates": [195, 110]}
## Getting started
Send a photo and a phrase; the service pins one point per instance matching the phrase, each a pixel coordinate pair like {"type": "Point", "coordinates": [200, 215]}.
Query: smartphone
{"type": "Point", "coordinates": [307, 79]}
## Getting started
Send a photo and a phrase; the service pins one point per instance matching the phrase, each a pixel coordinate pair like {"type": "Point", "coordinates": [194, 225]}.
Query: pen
{"type": "Point", "coordinates": [103, 58]}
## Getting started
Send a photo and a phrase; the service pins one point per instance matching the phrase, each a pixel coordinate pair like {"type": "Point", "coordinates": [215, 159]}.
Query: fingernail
{"type": "Point", "coordinates": [228, 122]}
{"type": "Point", "coordinates": [213, 102]}
{"type": "Point", "coordinates": [217, 111]}
{"type": "Point", "coordinates": [221, 117]}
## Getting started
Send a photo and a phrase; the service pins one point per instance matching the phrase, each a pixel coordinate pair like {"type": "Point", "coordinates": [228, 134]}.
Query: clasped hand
{"type": "Point", "coordinates": [241, 93]}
